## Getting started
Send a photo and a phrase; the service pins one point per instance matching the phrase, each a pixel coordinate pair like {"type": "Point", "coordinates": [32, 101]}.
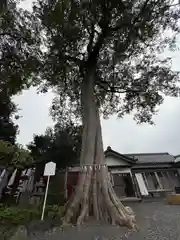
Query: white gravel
{"type": "Point", "coordinates": [156, 220]}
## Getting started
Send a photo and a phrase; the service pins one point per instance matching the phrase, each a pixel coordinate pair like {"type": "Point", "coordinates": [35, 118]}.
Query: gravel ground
{"type": "Point", "coordinates": [156, 220]}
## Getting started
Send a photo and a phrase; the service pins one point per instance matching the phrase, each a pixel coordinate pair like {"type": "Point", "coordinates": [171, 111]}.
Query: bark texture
{"type": "Point", "coordinates": [94, 194]}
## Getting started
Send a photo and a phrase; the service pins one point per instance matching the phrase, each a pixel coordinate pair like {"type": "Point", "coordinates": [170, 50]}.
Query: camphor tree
{"type": "Point", "coordinates": [102, 57]}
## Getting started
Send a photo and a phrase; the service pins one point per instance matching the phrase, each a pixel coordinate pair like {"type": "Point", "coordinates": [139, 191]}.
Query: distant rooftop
{"type": "Point", "coordinates": [152, 157]}
{"type": "Point", "coordinates": [177, 158]}
{"type": "Point", "coordinates": [125, 157]}
{"type": "Point", "coordinates": [164, 157]}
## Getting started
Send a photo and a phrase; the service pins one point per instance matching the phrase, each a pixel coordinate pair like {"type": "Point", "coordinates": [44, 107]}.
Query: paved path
{"type": "Point", "coordinates": [157, 221]}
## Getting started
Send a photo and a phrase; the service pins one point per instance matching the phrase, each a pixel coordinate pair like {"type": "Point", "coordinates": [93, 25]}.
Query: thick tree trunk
{"type": "Point", "coordinates": [94, 194]}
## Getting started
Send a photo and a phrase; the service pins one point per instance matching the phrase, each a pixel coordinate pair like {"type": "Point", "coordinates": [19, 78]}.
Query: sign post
{"type": "Point", "coordinates": [50, 169]}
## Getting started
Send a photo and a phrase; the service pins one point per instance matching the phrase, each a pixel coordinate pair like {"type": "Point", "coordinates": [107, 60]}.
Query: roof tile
{"type": "Point", "coordinates": [152, 157]}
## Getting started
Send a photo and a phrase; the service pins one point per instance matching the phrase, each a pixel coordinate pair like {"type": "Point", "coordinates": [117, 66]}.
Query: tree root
{"type": "Point", "coordinates": [95, 197]}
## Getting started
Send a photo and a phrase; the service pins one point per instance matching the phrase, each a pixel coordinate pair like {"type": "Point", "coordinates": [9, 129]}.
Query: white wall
{"type": "Point", "coordinates": [112, 161]}
{"type": "Point", "coordinates": [121, 170]}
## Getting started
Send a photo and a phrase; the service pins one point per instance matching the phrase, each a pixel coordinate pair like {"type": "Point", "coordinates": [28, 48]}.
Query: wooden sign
{"type": "Point", "coordinates": [50, 169]}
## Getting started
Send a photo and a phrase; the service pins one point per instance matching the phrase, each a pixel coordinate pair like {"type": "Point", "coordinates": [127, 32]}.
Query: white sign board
{"type": "Point", "coordinates": [50, 169]}
{"type": "Point", "coordinates": [142, 186]}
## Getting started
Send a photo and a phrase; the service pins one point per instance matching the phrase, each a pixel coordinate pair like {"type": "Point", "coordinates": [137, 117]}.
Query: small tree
{"type": "Point", "coordinates": [14, 156]}
{"type": "Point", "coordinates": [102, 56]}
{"type": "Point", "coordinates": [60, 145]}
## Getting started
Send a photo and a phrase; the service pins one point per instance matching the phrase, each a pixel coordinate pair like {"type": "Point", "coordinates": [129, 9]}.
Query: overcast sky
{"type": "Point", "coordinates": [123, 135]}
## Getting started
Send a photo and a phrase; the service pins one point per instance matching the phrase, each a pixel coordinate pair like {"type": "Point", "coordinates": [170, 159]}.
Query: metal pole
{"type": "Point", "coordinates": [45, 198]}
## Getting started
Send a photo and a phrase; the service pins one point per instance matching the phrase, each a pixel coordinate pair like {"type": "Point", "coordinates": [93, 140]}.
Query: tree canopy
{"type": "Point", "coordinates": [123, 39]}
{"type": "Point", "coordinates": [18, 48]}
{"type": "Point", "coordinates": [14, 155]}
{"type": "Point", "coordinates": [60, 145]}
{"type": "Point", "coordinates": [18, 64]}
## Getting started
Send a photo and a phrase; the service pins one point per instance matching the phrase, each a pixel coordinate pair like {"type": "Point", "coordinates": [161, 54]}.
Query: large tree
{"type": "Point", "coordinates": [103, 57]}
{"type": "Point", "coordinates": [19, 61]}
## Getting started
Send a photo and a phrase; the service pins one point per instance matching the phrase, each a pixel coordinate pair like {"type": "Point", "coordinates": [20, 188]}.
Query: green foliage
{"type": "Point", "coordinates": [61, 145]}
{"type": "Point", "coordinates": [15, 216]}
{"type": "Point", "coordinates": [19, 59]}
{"type": "Point", "coordinates": [21, 157]}
{"type": "Point", "coordinates": [120, 40]}
{"type": "Point", "coordinates": [12, 217]}
{"type": "Point", "coordinates": [8, 129]}
{"type": "Point", "coordinates": [53, 211]}
{"type": "Point", "coordinates": [14, 155]}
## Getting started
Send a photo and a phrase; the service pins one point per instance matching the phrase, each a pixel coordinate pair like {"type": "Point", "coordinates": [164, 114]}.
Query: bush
{"type": "Point", "coordinates": [14, 216]}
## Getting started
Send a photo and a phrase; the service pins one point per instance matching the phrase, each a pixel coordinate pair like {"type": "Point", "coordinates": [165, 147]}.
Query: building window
{"type": "Point", "coordinates": [155, 181]}
{"type": "Point", "coordinates": [152, 182]}
{"type": "Point", "coordinates": [173, 176]}
{"type": "Point", "coordinates": [161, 180]}
{"type": "Point", "coordinates": [164, 180]}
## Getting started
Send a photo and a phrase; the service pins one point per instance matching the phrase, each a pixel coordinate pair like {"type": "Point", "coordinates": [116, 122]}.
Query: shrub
{"type": "Point", "coordinates": [13, 215]}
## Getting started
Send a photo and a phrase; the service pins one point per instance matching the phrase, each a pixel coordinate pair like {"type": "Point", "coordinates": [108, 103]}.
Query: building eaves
{"type": "Point", "coordinates": [110, 152]}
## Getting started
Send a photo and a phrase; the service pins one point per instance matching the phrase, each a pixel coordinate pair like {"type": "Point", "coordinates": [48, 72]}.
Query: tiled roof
{"type": "Point", "coordinates": [152, 157]}
{"type": "Point", "coordinates": [110, 152]}
{"type": "Point", "coordinates": [177, 158]}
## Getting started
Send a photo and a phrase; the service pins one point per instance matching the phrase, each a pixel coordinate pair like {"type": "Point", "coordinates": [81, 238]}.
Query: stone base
{"type": "Point", "coordinates": [130, 199]}
{"type": "Point", "coordinates": [174, 199]}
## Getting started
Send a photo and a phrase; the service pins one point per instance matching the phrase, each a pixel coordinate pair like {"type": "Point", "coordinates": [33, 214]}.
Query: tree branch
{"type": "Point", "coordinates": [129, 23]}
{"type": "Point", "coordinates": [132, 25]}
{"type": "Point", "coordinates": [103, 23]}
{"type": "Point", "coordinates": [65, 57]}
{"type": "Point", "coordinates": [71, 59]}
{"type": "Point", "coordinates": [3, 5]}
{"type": "Point", "coordinates": [114, 89]}
{"type": "Point", "coordinates": [143, 10]}
{"type": "Point", "coordinates": [174, 5]}
{"type": "Point", "coordinates": [91, 34]}
{"type": "Point", "coordinates": [119, 26]}
{"type": "Point", "coordinates": [14, 36]}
